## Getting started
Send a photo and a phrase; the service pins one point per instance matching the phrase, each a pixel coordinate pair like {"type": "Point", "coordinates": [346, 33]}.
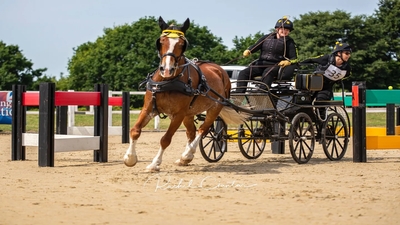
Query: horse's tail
{"type": "Point", "coordinates": [231, 116]}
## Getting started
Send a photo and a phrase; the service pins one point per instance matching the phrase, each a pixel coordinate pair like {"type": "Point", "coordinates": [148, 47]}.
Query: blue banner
{"type": "Point", "coordinates": [5, 107]}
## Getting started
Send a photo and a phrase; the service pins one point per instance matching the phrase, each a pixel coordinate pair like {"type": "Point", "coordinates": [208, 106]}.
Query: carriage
{"type": "Point", "coordinates": [188, 91]}
{"type": "Point", "coordinates": [284, 112]}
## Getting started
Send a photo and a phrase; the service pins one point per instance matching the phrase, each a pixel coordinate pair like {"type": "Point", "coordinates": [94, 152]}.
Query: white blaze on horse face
{"type": "Point", "coordinates": [169, 60]}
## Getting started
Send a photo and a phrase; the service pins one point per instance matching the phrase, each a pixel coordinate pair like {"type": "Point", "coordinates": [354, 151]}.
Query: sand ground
{"type": "Point", "coordinates": [272, 189]}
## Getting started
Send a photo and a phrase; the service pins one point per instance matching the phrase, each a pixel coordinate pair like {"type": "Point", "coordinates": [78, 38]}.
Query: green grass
{"type": "Point", "coordinates": [373, 119]}
{"type": "Point", "coordinates": [32, 124]}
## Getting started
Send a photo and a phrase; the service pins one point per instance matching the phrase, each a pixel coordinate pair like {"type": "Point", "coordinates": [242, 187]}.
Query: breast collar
{"type": "Point", "coordinates": [177, 85]}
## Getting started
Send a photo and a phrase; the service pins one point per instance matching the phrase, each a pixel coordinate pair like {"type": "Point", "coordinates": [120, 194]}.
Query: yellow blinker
{"type": "Point", "coordinates": [172, 33]}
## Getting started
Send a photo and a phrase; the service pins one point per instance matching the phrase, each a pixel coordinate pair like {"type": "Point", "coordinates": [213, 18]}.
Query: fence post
{"type": "Point", "coordinates": [101, 124]}
{"type": "Point", "coordinates": [398, 116]}
{"type": "Point", "coordinates": [109, 108]}
{"type": "Point", "coordinates": [61, 119]}
{"type": "Point", "coordinates": [71, 114]}
{"type": "Point", "coordinates": [46, 124]}
{"type": "Point", "coordinates": [157, 122]}
{"type": "Point", "coordinates": [390, 124]}
{"type": "Point", "coordinates": [359, 121]}
{"type": "Point", "coordinates": [125, 116]}
{"type": "Point", "coordinates": [18, 123]}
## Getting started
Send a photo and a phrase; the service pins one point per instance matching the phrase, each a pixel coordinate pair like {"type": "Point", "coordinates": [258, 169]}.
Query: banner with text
{"type": "Point", "coordinates": [5, 107]}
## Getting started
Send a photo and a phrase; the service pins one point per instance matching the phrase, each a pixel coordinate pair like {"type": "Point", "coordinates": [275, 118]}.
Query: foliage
{"type": "Point", "coordinates": [204, 45]}
{"type": "Point", "coordinates": [16, 69]}
{"type": "Point", "coordinates": [241, 44]}
{"type": "Point", "coordinates": [374, 40]}
{"type": "Point", "coordinates": [124, 55]}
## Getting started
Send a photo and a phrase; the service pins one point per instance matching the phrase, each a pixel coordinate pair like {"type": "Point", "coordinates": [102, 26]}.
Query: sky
{"type": "Point", "coordinates": [46, 31]}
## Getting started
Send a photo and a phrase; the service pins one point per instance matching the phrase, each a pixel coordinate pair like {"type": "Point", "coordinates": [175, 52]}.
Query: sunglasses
{"type": "Point", "coordinates": [347, 53]}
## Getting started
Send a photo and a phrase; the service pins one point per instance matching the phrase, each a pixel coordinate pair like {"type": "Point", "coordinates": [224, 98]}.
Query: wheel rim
{"type": "Point", "coordinates": [301, 138]}
{"type": "Point", "coordinates": [251, 139]}
{"type": "Point", "coordinates": [335, 136]}
{"type": "Point", "coordinates": [213, 145]}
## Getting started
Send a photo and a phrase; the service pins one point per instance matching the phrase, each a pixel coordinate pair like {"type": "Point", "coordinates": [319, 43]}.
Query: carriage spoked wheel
{"type": "Point", "coordinates": [335, 136]}
{"type": "Point", "coordinates": [301, 138]}
{"type": "Point", "coordinates": [213, 145]}
{"type": "Point", "coordinates": [251, 139]}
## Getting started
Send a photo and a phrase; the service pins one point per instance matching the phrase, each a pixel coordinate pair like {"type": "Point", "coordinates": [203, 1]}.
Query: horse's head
{"type": "Point", "coordinates": [171, 46]}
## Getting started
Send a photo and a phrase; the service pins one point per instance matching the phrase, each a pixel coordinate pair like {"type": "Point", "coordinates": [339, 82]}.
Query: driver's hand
{"type": "Point", "coordinates": [246, 53]}
{"type": "Point", "coordinates": [284, 63]}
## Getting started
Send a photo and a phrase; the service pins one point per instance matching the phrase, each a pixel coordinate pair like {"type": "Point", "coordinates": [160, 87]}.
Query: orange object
{"type": "Point", "coordinates": [355, 102]}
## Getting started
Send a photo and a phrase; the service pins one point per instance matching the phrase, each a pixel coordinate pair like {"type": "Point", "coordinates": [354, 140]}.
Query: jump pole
{"type": "Point", "coordinates": [47, 99]}
{"type": "Point", "coordinates": [359, 121]}
{"type": "Point", "coordinates": [64, 121]}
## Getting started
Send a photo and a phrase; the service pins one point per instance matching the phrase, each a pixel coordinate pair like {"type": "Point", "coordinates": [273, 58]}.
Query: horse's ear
{"type": "Point", "coordinates": [158, 44]}
{"type": "Point", "coordinates": [186, 25]}
{"type": "Point", "coordinates": [163, 25]}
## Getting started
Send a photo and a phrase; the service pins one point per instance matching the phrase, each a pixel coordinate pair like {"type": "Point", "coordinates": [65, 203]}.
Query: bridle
{"type": "Point", "coordinates": [172, 34]}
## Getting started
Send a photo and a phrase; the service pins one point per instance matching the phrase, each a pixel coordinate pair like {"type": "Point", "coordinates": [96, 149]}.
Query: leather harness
{"type": "Point", "coordinates": [177, 85]}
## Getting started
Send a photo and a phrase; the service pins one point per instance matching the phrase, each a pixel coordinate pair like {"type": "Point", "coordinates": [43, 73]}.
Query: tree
{"type": "Point", "coordinates": [204, 45]}
{"type": "Point", "coordinates": [316, 33]}
{"type": "Point", "coordinates": [16, 69]}
{"type": "Point", "coordinates": [386, 68]}
{"type": "Point", "coordinates": [125, 54]}
{"type": "Point", "coordinates": [388, 15]}
{"type": "Point", "coordinates": [121, 57]}
{"type": "Point", "coordinates": [241, 44]}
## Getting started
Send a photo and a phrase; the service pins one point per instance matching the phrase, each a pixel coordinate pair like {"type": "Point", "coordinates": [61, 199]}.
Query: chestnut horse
{"type": "Point", "coordinates": [181, 89]}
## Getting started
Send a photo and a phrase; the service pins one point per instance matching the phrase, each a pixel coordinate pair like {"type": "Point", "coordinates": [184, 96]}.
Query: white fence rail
{"type": "Point", "coordinates": [72, 129]}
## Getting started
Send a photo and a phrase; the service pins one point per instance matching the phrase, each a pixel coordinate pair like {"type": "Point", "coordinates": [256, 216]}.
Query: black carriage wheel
{"type": "Point", "coordinates": [213, 145]}
{"type": "Point", "coordinates": [342, 111]}
{"type": "Point", "coordinates": [335, 136]}
{"type": "Point", "coordinates": [251, 139]}
{"type": "Point", "coordinates": [301, 138]}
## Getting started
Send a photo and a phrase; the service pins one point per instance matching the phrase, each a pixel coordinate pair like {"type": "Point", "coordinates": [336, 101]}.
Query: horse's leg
{"type": "Point", "coordinates": [188, 155]}
{"type": "Point", "coordinates": [130, 157]}
{"type": "Point", "coordinates": [165, 141]}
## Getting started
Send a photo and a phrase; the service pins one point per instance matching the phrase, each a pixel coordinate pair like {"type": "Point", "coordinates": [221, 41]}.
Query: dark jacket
{"type": "Point", "coordinates": [332, 74]}
{"type": "Point", "coordinates": [324, 61]}
{"type": "Point", "coordinates": [274, 50]}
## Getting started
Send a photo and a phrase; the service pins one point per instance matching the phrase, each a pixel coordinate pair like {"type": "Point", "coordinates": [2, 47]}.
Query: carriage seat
{"type": "Point", "coordinates": [284, 82]}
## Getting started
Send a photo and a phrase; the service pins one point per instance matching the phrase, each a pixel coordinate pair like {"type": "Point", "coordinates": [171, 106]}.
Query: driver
{"type": "Point", "coordinates": [335, 66]}
{"type": "Point", "coordinates": [277, 50]}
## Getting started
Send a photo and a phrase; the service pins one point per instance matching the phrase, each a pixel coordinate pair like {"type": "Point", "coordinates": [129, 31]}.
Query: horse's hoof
{"type": "Point", "coordinates": [152, 169]}
{"type": "Point", "coordinates": [182, 162]}
{"type": "Point", "coordinates": [130, 160]}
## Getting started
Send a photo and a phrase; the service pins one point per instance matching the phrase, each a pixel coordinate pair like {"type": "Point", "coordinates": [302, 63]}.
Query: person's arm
{"type": "Point", "coordinates": [348, 71]}
{"type": "Point", "coordinates": [321, 59]}
{"type": "Point", "coordinates": [291, 51]}
{"type": "Point", "coordinates": [257, 46]}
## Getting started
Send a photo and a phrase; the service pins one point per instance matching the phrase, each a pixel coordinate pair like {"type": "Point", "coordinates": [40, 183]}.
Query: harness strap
{"type": "Point", "coordinates": [177, 85]}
